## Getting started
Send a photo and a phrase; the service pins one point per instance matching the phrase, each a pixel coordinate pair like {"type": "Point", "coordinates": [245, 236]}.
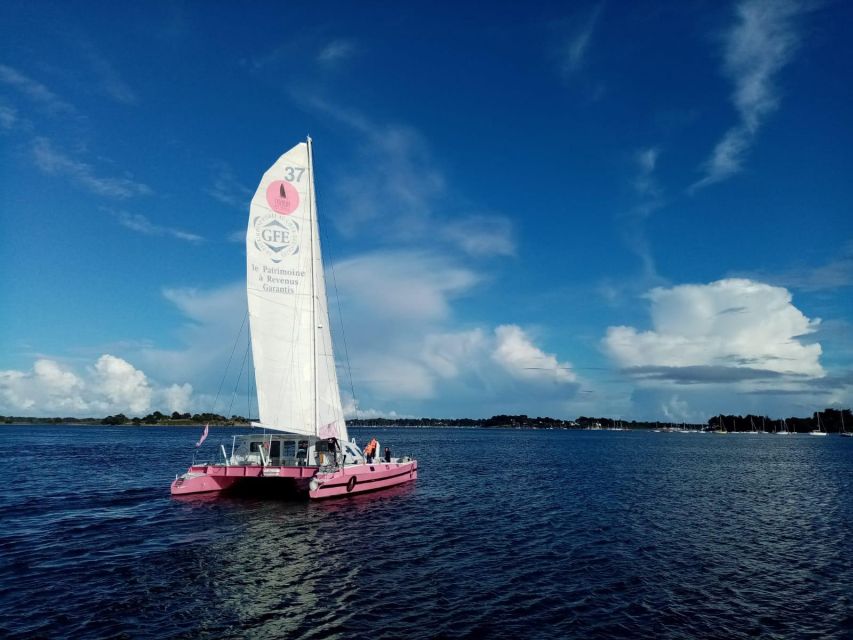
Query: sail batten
{"type": "Point", "coordinates": [288, 311]}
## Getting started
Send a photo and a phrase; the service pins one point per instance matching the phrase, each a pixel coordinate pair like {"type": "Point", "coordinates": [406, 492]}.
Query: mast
{"type": "Point", "coordinates": [312, 208]}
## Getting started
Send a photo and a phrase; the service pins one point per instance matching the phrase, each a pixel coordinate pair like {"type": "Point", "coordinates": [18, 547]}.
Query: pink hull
{"type": "Point", "coordinates": [362, 478]}
{"type": "Point", "coordinates": [212, 478]}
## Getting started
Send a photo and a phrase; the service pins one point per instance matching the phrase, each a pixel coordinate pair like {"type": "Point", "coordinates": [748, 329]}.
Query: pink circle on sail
{"type": "Point", "coordinates": [282, 197]}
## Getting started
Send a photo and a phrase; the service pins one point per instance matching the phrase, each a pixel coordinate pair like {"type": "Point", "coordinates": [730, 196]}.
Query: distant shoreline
{"type": "Point", "coordinates": [830, 421]}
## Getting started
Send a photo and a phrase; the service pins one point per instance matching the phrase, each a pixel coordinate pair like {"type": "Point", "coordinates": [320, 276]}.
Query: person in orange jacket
{"type": "Point", "coordinates": [370, 450]}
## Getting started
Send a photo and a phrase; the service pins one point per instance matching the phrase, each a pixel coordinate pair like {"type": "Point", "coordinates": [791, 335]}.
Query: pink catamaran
{"type": "Point", "coordinates": [303, 444]}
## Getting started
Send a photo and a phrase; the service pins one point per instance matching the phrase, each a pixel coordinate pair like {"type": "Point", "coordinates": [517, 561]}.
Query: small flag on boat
{"type": "Point", "coordinates": [203, 436]}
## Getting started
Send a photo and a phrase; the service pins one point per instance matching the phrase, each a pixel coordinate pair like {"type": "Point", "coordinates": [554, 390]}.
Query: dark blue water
{"type": "Point", "coordinates": [506, 534]}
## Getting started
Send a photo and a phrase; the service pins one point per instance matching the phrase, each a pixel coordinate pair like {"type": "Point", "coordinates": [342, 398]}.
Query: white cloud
{"type": "Point", "coordinates": [725, 331]}
{"type": "Point", "coordinates": [404, 349]}
{"type": "Point", "coordinates": [122, 384]}
{"type": "Point", "coordinates": [54, 162]}
{"type": "Point", "coordinates": [352, 410]}
{"type": "Point", "coordinates": [447, 354]}
{"type": "Point", "coordinates": [111, 385]}
{"type": "Point", "coordinates": [139, 223]}
{"type": "Point", "coordinates": [178, 397]}
{"type": "Point", "coordinates": [757, 47]}
{"type": "Point", "coordinates": [415, 285]}
{"type": "Point", "coordinates": [516, 353]}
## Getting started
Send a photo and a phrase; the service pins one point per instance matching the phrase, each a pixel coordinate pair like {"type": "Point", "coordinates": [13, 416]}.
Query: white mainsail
{"type": "Point", "coordinates": [288, 313]}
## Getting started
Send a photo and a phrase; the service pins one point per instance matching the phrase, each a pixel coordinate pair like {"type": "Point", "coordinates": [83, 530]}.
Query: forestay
{"type": "Point", "coordinates": [288, 311]}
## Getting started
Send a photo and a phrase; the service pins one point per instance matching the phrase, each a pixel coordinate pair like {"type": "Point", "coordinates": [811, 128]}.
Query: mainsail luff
{"type": "Point", "coordinates": [291, 342]}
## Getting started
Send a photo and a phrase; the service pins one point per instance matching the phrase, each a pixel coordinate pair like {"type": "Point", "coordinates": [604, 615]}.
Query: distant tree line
{"type": "Point", "coordinates": [830, 419]}
{"type": "Point", "coordinates": [158, 418]}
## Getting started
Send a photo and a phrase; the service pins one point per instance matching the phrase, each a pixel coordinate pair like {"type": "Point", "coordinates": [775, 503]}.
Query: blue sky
{"type": "Point", "coordinates": [640, 210]}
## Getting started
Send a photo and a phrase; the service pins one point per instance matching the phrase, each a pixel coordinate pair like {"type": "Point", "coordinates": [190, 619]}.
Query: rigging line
{"type": "Point", "coordinates": [325, 237]}
{"type": "Point", "coordinates": [233, 349]}
{"type": "Point", "coordinates": [249, 377]}
{"type": "Point", "coordinates": [237, 384]}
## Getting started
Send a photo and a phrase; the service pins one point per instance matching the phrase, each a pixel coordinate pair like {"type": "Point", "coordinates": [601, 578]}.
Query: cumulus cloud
{"type": "Point", "coordinates": [110, 385]}
{"type": "Point", "coordinates": [122, 384]}
{"type": "Point", "coordinates": [405, 350]}
{"type": "Point", "coordinates": [516, 353]}
{"type": "Point", "coordinates": [757, 47]}
{"type": "Point", "coordinates": [406, 346]}
{"type": "Point", "coordinates": [447, 354]}
{"type": "Point", "coordinates": [726, 331]}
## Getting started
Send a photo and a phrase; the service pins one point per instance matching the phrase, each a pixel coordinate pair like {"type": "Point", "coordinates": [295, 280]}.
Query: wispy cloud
{"type": "Point", "coordinates": [109, 80]}
{"type": "Point", "coordinates": [336, 51]}
{"type": "Point", "coordinates": [645, 183]}
{"type": "Point", "coordinates": [575, 46]}
{"type": "Point", "coordinates": [35, 91]}
{"type": "Point", "coordinates": [403, 186]}
{"type": "Point", "coordinates": [482, 235]}
{"type": "Point", "coordinates": [9, 118]}
{"type": "Point", "coordinates": [314, 49]}
{"type": "Point", "coordinates": [141, 224]}
{"type": "Point", "coordinates": [54, 162]}
{"type": "Point", "coordinates": [649, 199]}
{"type": "Point", "coordinates": [762, 41]}
{"type": "Point", "coordinates": [834, 274]}
{"type": "Point", "coordinates": [228, 190]}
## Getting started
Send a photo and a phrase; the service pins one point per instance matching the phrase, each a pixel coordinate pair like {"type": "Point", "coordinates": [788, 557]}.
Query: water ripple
{"type": "Point", "coordinates": [505, 534]}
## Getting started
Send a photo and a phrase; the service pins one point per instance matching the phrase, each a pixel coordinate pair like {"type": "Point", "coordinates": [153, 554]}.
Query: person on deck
{"type": "Point", "coordinates": [370, 450]}
{"type": "Point", "coordinates": [387, 454]}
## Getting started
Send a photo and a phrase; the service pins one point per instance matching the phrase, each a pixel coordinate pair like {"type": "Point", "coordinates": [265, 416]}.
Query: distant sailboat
{"type": "Point", "coordinates": [844, 432]}
{"type": "Point", "coordinates": [819, 431]}
{"type": "Point", "coordinates": [721, 429]}
{"type": "Point", "coordinates": [783, 428]}
{"type": "Point", "coordinates": [304, 445]}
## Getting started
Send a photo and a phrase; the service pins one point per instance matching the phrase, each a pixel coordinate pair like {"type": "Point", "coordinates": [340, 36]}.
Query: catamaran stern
{"type": "Point", "coordinates": [215, 478]}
